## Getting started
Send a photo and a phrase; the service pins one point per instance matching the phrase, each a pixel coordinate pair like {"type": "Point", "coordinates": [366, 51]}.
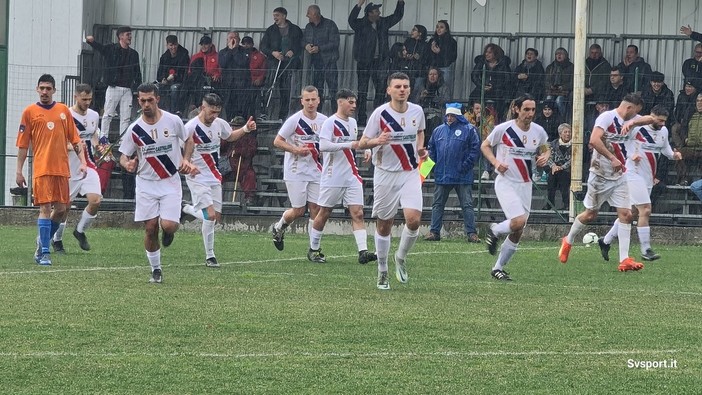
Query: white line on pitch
{"type": "Point", "coordinates": [60, 354]}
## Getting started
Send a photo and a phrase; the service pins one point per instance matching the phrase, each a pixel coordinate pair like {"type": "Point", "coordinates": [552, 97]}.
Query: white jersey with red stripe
{"type": "Point", "coordinates": [400, 154]}
{"type": "Point", "coordinates": [648, 143]}
{"type": "Point", "coordinates": [157, 146]}
{"type": "Point", "coordinates": [206, 152]}
{"type": "Point", "coordinates": [298, 130]}
{"type": "Point", "coordinates": [611, 123]}
{"type": "Point", "coordinates": [339, 163]}
{"type": "Point", "coordinates": [87, 126]}
{"type": "Point", "coordinates": [517, 148]}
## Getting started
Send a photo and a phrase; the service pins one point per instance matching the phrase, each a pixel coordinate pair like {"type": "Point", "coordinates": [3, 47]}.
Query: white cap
{"type": "Point", "coordinates": [453, 110]}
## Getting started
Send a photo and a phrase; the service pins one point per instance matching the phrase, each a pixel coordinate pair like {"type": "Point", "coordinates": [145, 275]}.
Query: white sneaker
{"type": "Point", "coordinates": [383, 282]}
{"type": "Point", "coordinates": [485, 176]}
{"type": "Point", "coordinates": [400, 270]}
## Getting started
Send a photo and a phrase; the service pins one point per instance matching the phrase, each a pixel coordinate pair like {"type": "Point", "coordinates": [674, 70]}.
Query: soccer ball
{"type": "Point", "coordinates": [590, 239]}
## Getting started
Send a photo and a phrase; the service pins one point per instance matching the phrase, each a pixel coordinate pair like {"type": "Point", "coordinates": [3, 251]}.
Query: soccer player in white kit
{"type": "Point", "coordinates": [299, 138]}
{"type": "Point", "coordinates": [644, 149]}
{"type": "Point", "coordinates": [155, 139]}
{"type": "Point", "coordinates": [205, 131]}
{"type": "Point", "coordinates": [395, 132]}
{"type": "Point", "coordinates": [606, 182]}
{"type": "Point", "coordinates": [340, 183]}
{"type": "Point", "coordinates": [88, 183]}
{"type": "Point", "coordinates": [517, 142]}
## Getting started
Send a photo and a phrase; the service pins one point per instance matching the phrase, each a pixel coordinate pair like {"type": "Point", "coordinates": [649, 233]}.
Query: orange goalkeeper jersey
{"type": "Point", "coordinates": [49, 129]}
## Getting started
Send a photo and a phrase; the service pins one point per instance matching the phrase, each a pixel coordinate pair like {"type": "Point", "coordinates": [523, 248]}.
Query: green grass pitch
{"type": "Point", "coordinates": [272, 322]}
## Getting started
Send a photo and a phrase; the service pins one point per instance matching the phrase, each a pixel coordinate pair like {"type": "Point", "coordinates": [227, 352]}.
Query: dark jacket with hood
{"type": "Point", "coordinates": [272, 40]}
{"type": "Point", "coordinates": [666, 97]}
{"type": "Point", "coordinates": [559, 78]}
{"type": "Point", "coordinates": [449, 50]}
{"type": "Point", "coordinates": [597, 76]}
{"type": "Point", "coordinates": [629, 73]}
{"type": "Point", "coordinates": [534, 84]}
{"type": "Point", "coordinates": [178, 63]}
{"type": "Point", "coordinates": [366, 37]}
{"type": "Point", "coordinates": [455, 149]}
{"type": "Point", "coordinates": [121, 65]}
{"type": "Point", "coordinates": [499, 76]}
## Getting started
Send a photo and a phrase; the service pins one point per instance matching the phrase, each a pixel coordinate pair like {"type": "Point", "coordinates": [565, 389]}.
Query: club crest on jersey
{"type": "Point", "coordinates": [21, 129]}
{"type": "Point", "coordinates": [62, 116]}
{"type": "Point", "coordinates": [457, 132]}
{"type": "Point", "coordinates": [50, 125]}
{"type": "Point", "coordinates": [414, 122]}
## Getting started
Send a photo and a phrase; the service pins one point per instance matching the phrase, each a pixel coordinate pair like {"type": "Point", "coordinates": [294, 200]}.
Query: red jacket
{"type": "Point", "coordinates": [257, 64]}
{"type": "Point", "coordinates": [211, 60]}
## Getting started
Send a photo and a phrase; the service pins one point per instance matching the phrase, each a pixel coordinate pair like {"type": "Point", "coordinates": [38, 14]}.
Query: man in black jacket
{"type": "Point", "coordinates": [172, 69]}
{"type": "Point", "coordinates": [282, 45]}
{"type": "Point", "coordinates": [122, 73]}
{"type": "Point", "coordinates": [371, 50]}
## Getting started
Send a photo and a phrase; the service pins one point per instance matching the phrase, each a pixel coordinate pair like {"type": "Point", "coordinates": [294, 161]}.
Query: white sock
{"type": "Point", "coordinates": [361, 237]}
{"type": "Point", "coordinates": [624, 240]}
{"type": "Point", "coordinates": [502, 228]}
{"type": "Point", "coordinates": [58, 236]}
{"type": "Point", "coordinates": [310, 224]}
{"type": "Point", "coordinates": [85, 220]}
{"type": "Point", "coordinates": [154, 259]}
{"type": "Point", "coordinates": [189, 209]}
{"type": "Point", "coordinates": [281, 224]}
{"type": "Point", "coordinates": [382, 247]}
{"type": "Point", "coordinates": [315, 238]}
{"type": "Point", "coordinates": [613, 233]}
{"type": "Point", "coordinates": [407, 240]}
{"type": "Point", "coordinates": [208, 233]}
{"type": "Point", "coordinates": [644, 237]}
{"type": "Point", "coordinates": [508, 249]}
{"type": "Point", "coordinates": [576, 228]}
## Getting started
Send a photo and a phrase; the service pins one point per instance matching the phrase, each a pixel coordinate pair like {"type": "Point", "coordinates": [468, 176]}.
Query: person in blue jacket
{"type": "Point", "coordinates": [455, 148]}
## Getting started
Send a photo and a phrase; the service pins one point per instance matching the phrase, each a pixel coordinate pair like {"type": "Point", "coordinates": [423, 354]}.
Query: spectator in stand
{"type": "Point", "coordinates": [455, 147]}
{"type": "Point", "coordinates": [685, 106]}
{"type": "Point", "coordinates": [692, 68]}
{"type": "Point", "coordinates": [689, 142]}
{"type": "Point", "coordinates": [616, 90]}
{"type": "Point", "coordinates": [398, 61]}
{"type": "Point", "coordinates": [597, 71]}
{"type": "Point", "coordinates": [204, 73]}
{"type": "Point", "coordinates": [257, 66]}
{"type": "Point", "coordinates": [417, 55]}
{"type": "Point", "coordinates": [122, 73]}
{"type": "Point", "coordinates": [443, 52]}
{"type": "Point", "coordinates": [558, 83]}
{"type": "Point", "coordinates": [657, 92]}
{"type": "Point", "coordinates": [371, 51]}
{"type": "Point", "coordinates": [321, 39]}
{"type": "Point", "coordinates": [529, 75]}
{"type": "Point", "coordinates": [172, 69]}
{"type": "Point", "coordinates": [497, 77]}
{"type": "Point", "coordinates": [236, 77]}
{"type": "Point", "coordinates": [432, 97]}
{"type": "Point", "coordinates": [558, 168]}
{"type": "Point", "coordinates": [629, 66]}
{"type": "Point", "coordinates": [484, 123]}
{"type": "Point", "coordinates": [549, 119]}
{"type": "Point", "coordinates": [282, 43]}
{"type": "Point", "coordinates": [240, 154]}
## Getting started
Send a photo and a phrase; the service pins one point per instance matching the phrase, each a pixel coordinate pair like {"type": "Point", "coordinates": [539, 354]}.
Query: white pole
{"type": "Point", "coordinates": [578, 102]}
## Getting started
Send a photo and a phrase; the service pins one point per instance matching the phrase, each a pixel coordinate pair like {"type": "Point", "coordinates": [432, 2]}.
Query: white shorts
{"type": "Point", "coordinates": [161, 198]}
{"type": "Point", "coordinates": [204, 196]}
{"type": "Point", "coordinates": [347, 196]}
{"type": "Point", "coordinates": [393, 190]}
{"type": "Point", "coordinates": [301, 192]}
{"type": "Point", "coordinates": [89, 184]}
{"type": "Point", "coordinates": [600, 190]}
{"type": "Point", "coordinates": [639, 192]}
{"type": "Point", "coordinates": [514, 197]}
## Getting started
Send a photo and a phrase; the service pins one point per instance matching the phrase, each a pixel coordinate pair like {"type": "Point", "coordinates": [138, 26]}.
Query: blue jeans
{"type": "Point", "coordinates": [696, 188]}
{"type": "Point", "coordinates": [465, 198]}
